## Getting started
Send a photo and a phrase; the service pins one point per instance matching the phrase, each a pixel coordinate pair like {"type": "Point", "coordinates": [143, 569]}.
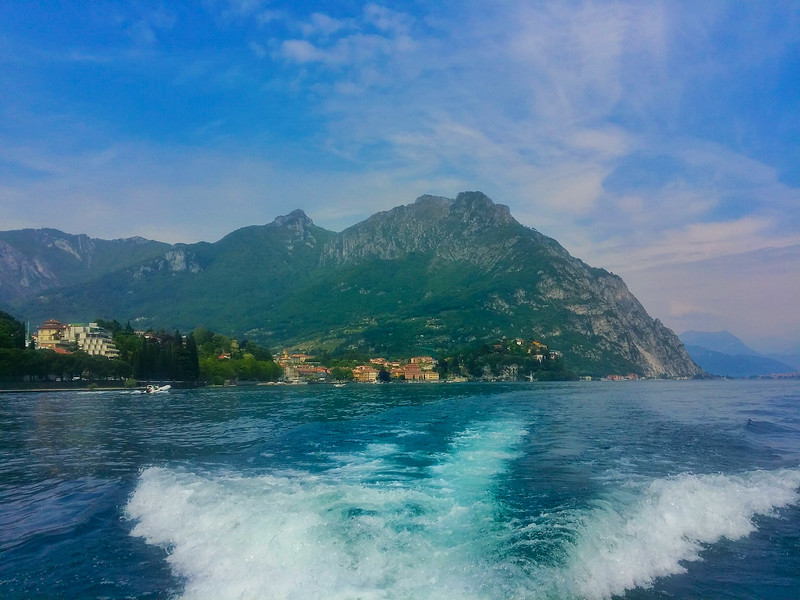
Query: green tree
{"type": "Point", "coordinates": [341, 374]}
{"type": "Point", "coordinates": [12, 332]}
{"type": "Point", "coordinates": [257, 351]}
{"type": "Point", "coordinates": [222, 343]}
{"type": "Point", "coordinates": [192, 358]}
{"type": "Point", "coordinates": [113, 326]}
{"type": "Point", "coordinates": [202, 335]}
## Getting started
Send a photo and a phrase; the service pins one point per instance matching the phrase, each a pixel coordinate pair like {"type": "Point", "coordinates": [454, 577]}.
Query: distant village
{"type": "Point", "coordinates": [297, 367]}
{"type": "Point", "coordinates": [300, 368]}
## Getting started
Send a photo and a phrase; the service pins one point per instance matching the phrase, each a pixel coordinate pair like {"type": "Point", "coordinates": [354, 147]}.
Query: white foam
{"type": "Point", "coordinates": [374, 527]}
{"type": "Point", "coordinates": [630, 540]}
{"type": "Point", "coordinates": [346, 533]}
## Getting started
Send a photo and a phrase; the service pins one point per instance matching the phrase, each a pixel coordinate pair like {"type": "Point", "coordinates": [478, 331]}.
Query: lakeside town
{"type": "Point", "coordinates": [215, 359]}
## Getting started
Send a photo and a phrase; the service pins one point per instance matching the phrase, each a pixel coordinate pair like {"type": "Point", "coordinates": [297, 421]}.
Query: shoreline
{"type": "Point", "coordinates": [112, 387]}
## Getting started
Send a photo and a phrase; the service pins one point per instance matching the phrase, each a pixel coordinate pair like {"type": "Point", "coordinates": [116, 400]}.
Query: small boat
{"type": "Point", "coordinates": [155, 389]}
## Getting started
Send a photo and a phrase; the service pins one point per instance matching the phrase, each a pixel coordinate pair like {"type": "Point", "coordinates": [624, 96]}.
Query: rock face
{"type": "Point", "coordinates": [537, 275]}
{"type": "Point", "coordinates": [428, 276]}
{"type": "Point", "coordinates": [451, 229]}
{"type": "Point", "coordinates": [34, 260]}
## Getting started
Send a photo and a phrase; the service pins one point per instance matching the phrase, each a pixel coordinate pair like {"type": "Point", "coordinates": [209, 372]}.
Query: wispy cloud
{"type": "Point", "coordinates": [643, 136]}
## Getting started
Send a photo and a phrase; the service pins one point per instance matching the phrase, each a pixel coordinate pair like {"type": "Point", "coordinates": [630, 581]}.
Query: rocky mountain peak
{"type": "Point", "coordinates": [437, 272]}
{"type": "Point", "coordinates": [427, 200]}
{"type": "Point", "coordinates": [296, 223]}
{"type": "Point", "coordinates": [478, 205]}
{"type": "Point", "coordinates": [432, 224]}
{"type": "Point", "coordinates": [297, 219]}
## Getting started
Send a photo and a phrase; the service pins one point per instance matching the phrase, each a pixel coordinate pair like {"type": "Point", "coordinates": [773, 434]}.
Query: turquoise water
{"type": "Point", "coordinates": [469, 491]}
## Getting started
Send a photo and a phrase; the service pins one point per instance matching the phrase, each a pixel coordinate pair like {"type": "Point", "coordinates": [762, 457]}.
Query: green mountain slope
{"type": "Point", "coordinates": [33, 260]}
{"type": "Point", "coordinates": [428, 276]}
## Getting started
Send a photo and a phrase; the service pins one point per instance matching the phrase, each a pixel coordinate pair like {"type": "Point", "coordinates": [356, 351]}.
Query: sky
{"type": "Point", "coordinates": [658, 140]}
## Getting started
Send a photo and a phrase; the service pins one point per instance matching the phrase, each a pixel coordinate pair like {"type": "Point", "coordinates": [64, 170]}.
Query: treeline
{"type": "Point", "coordinates": [223, 359]}
{"type": "Point", "coordinates": [18, 363]}
{"type": "Point", "coordinates": [27, 364]}
{"type": "Point", "coordinates": [202, 356]}
{"type": "Point", "coordinates": [507, 359]}
{"type": "Point", "coordinates": [156, 355]}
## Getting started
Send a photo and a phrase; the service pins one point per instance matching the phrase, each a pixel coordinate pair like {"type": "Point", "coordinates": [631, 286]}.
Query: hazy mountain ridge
{"type": "Point", "coordinates": [722, 353]}
{"type": "Point", "coordinates": [425, 276]}
{"type": "Point", "coordinates": [718, 341]}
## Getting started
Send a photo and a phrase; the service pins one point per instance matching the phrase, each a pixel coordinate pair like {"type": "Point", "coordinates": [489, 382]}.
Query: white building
{"type": "Point", "coordinates": [92, 339]}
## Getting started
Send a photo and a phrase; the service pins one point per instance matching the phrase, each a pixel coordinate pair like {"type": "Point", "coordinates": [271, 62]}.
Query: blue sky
{"type": "Point", "coordinates": [659, 140]}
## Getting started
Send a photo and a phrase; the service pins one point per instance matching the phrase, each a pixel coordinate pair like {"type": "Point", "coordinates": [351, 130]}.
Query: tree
{"type": "Point", "coordinates": [12, 332]}
{"type": "Point", "coordinates": [113, 326]}
{"type": "Point", "coordinates": [222, 343]}
{"type": "Point", "coordinates": [341, 374]}
{"type": "Point", "coordinates": [192, 358]}
{"type": "Point", "coordinates": [441, 367]}
{"type": "Point", "coordinates": [202, 335]}
{"type": "Point", "coordinates": [384, 375]}
{"type": "Point", "coordinates": [257, 351]}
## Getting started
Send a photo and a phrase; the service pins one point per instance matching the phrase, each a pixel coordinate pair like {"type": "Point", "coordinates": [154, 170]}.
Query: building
{"type": "Point", "coordinates": [412, 372]}
{"type": "Point", "coordinates": [312, 372]}
{"type": "Point", "coordinates": [365, 373]}
{"type": "Point", "coordinates": [293, 359]}
{"type": "Point", "coordinates": [50, 334]}
{"type": "Point", "coordinates": [424, 362]}
{"type": "Point", "coordinates": [92, 339]}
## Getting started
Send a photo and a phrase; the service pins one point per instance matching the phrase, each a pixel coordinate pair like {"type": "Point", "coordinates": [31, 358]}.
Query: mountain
{"type": "Point", "coordinates": [739, 365]}
{"type": "Point", "coordinates": [789, 358]}
{"type": "Point", "coordinates": [718, 341]}
{"type": "Point", "coordinates": [723, 354]}
{"type": "Point", "coordinates": [33, 260]}
{"type": "Point", "coordinates": [429, 276]}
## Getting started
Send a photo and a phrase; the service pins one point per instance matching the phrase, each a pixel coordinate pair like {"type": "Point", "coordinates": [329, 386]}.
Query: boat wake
{"type": "Point", "coordinates": [374, 527]}
{"type": "Point", "coordinates": [635, 536]}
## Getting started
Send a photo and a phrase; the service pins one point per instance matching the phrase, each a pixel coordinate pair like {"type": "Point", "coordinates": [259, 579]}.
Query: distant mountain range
{"type": "Point", "coordinates": [723, 354]}
{"type": "Point", "coordinates": [433, 275]}
{"type": "Point", "coordinates": [34, 260]}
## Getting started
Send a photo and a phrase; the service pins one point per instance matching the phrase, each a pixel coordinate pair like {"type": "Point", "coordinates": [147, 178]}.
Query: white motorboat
{"type": "Point", "coordinates": [155, 389]}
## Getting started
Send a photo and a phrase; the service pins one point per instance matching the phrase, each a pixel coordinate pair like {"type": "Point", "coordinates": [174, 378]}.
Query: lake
{"type": "Point", "coordinates": [642, 490]}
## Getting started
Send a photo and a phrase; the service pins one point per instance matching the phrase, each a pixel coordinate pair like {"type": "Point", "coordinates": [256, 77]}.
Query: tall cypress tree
{"type": "Point", "coordinates": [192, 358]}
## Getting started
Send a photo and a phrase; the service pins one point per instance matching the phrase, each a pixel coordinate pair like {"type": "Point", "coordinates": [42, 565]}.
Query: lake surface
{"type": "Point", "coordinates": [641, 490]}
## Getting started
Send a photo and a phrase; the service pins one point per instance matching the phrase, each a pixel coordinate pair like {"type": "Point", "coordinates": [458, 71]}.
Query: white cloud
{"type": "Point", "coordinates": [701, 241]}
{"type": "Point", "coordinates": [387, 19]}
{"type": "Point", "coordinates": [753, 295]}
{"type": "Point", "coordinates": [567, 112]}
{"type": "Point", "coordinates": [301, 51]}
{"type": "Point", "coordinates": [322, 25]}
{"type": "Point", "coordinates": [245, 7]}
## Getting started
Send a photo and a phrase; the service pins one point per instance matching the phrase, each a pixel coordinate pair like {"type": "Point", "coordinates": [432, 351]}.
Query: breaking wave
{"type": "Point", "coordinates": [635, 537]}
{"type": "Point", "coordinates": [373, 527]}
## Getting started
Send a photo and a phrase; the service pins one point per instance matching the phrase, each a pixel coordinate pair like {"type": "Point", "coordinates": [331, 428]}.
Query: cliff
{"type": "Point", "coordinates": [432, 275]}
